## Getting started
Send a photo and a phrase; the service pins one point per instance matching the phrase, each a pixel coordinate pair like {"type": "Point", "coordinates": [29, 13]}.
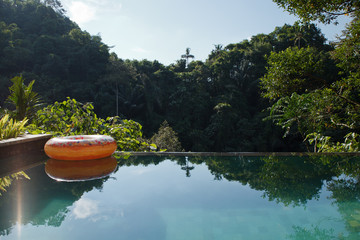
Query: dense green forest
{"type": "Point", "coordinates": [244, 97]}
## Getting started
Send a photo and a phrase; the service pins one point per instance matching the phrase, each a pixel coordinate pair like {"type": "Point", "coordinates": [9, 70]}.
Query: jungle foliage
{"type": "Point", "coordinates": [10, 128]}
{"type": "Point", "coordinates": [74, 118]}
{"type": "Point", "coordinates": [167, 139]}
{"type": "Point", "coordinates": [319, 100]}
{"type": "Point", "coordinates": [25, 101]}
{"type": "Point", "coordinates": [216, 105]}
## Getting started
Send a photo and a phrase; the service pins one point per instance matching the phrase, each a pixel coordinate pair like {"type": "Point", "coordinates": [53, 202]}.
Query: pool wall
{"type": "Point", "coordinates": [23, 144]}
{"type": "Point", "coordinates": [18, 154]}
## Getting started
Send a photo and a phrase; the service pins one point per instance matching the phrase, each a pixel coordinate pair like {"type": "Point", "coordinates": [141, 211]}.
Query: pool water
{"type": "Point", "coordinates": [191, 197]}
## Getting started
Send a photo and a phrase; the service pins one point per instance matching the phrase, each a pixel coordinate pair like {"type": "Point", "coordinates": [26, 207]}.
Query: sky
{"type": "Point", "coordinates": [163, 29]}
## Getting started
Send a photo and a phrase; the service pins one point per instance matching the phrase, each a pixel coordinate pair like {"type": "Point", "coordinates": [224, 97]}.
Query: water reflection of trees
{"type": "Point", "coordinates": [6, 181]}
{"type": "Point", "coordinates": [43, 200]}
{"type": "Point", "coordinates": [296, 180]}
{"type": "Point", "coordinates": [291, 181]}
{"type": "Point", "coordinates": [313, 233]}
{"type": "Point", "coordinates": [345, 194]}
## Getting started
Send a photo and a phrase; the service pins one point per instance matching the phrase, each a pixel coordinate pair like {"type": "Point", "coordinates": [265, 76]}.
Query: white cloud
{"type": "Point", "coordinates": [85, 208]}
{"type": "Point", "coordinates": [110, 7]}
{"type": "Point", "coordinates": [81, 12]}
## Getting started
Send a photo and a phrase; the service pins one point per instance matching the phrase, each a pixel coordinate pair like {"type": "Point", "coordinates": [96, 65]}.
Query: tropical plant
{"type": "Point", "coordinates": [71, 117]}
{"type": "Point", "coordinates": [23, 98]}
{"type": "Point", "coordinates": [294, 70]}
{"type": "Point", "coordinates": [323, 143]}
{"type": "Point", "coordinates": [320, 98]}
{"type": "Point", "coordinates": [10, 128]}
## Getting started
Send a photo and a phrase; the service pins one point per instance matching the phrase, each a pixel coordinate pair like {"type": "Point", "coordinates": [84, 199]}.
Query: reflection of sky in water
{"type": "Point", "coordinates": [160, 202]}
{"type": "Point", "coordinates": [142, 171]}
{"type": "Point", "coordinates": [85, 208]}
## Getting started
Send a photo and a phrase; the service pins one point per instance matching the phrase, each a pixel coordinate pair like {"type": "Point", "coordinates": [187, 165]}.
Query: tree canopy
{"type": "Point", "coordinates": [315, 97]}
{"type": "Point", "coordinates": [324, 11]}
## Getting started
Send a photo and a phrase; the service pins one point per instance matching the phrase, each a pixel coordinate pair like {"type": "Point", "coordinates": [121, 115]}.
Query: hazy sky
{"type": "Point", "coordinates": [162, 29]}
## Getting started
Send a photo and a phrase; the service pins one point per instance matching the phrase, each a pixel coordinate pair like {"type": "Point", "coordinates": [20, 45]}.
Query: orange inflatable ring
{"type": "Point", "coordinates": [80, 147]}
{"type": "Point", "coordinates": [72, 171]}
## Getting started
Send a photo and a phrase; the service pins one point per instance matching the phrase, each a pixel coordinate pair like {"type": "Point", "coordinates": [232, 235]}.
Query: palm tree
{"type": "Point", "coordinates": [187, 55]}
{"type": "Point", "coordinates": [298, 35]}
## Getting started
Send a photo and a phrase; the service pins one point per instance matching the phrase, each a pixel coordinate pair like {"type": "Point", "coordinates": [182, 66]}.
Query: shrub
{"type": "Point", "coordinates": [167, 139]}
{"type": "Point", "coordinates": [10, 128]}
{"type": "Point", "coordinates": [71, 117]}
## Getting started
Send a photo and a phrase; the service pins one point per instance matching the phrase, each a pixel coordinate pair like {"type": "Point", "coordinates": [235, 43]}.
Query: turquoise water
{"type": "Point", "coordinates": [149, 197]}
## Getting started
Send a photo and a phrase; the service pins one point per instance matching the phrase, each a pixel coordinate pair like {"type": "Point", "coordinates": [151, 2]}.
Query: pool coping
{"type": "Point", "coordinates": [234, 154]}
{"type": "Point", "coordinates": [24, 138]}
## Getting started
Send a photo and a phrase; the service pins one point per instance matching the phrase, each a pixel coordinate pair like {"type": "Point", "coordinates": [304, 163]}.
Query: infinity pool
{"type": "Point", "coordinates": [188, 197]}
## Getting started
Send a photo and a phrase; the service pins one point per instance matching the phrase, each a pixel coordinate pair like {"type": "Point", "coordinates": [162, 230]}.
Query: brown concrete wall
{"type": "Point", "coordinates": [23, 144]}
{"type": "Point", "coordinates": [19, 153]}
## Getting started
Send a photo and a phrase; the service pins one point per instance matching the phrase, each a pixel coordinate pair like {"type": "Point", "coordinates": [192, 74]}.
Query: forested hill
{"type": "Point", "coordinates": [216, 105]}
{"type": "Point", "coordinates": [41, 43]}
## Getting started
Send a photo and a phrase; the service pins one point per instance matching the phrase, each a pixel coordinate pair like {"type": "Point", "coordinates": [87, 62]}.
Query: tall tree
{"type": "Point", "coordinates": [187, 55]}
